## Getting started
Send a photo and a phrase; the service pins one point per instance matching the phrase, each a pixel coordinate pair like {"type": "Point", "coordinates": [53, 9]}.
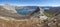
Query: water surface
{"type": "Point", "coordinates": [25, 12]}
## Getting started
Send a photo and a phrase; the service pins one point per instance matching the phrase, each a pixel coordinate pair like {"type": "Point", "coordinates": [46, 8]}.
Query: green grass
{"type": "Point", "coordinates": [49, 14]}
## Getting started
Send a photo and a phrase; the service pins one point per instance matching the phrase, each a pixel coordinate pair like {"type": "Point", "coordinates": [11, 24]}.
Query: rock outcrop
{"type": "Point", "coordinates": [10, 8]}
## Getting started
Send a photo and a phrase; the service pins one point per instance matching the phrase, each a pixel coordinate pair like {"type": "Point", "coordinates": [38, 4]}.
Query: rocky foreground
{"type": "Point", "coordinates": [13, 23]}
{"type": "Point", "coordinates": [30, 23]}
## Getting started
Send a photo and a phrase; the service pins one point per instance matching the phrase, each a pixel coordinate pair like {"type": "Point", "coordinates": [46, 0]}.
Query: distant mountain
{"type": "Point", "coordinates": [27, 7]}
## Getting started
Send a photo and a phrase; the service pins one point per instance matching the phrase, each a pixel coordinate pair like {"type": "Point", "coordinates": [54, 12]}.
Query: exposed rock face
{"type": "Point", "coordinates": [37, 10]}
{"type": "Point", "coordinates": [10, 8]}
{"type": "Point", "coordinates": [42, 16]}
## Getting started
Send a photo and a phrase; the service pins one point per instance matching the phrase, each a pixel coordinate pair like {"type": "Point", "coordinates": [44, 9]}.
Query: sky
{"type": "Point", "coordinates": [31, 2]}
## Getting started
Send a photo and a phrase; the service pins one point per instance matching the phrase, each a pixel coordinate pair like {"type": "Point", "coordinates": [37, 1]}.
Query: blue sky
{"type": "Point", "coordinates": [31, 2]}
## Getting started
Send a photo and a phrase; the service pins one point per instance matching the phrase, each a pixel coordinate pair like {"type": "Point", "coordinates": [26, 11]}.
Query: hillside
{"type": "Point", "coordinates": [8, 19]}
{"type": "Point", "coordinates": [53, 11]}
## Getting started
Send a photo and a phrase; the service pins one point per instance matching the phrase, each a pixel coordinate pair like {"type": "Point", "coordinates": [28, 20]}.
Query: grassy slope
{"type": "Point", "coordinates": [48, 14]}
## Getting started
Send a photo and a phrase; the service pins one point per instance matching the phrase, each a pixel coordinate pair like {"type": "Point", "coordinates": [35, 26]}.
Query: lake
{"type": "Point", "coordinates": [25, 12]}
